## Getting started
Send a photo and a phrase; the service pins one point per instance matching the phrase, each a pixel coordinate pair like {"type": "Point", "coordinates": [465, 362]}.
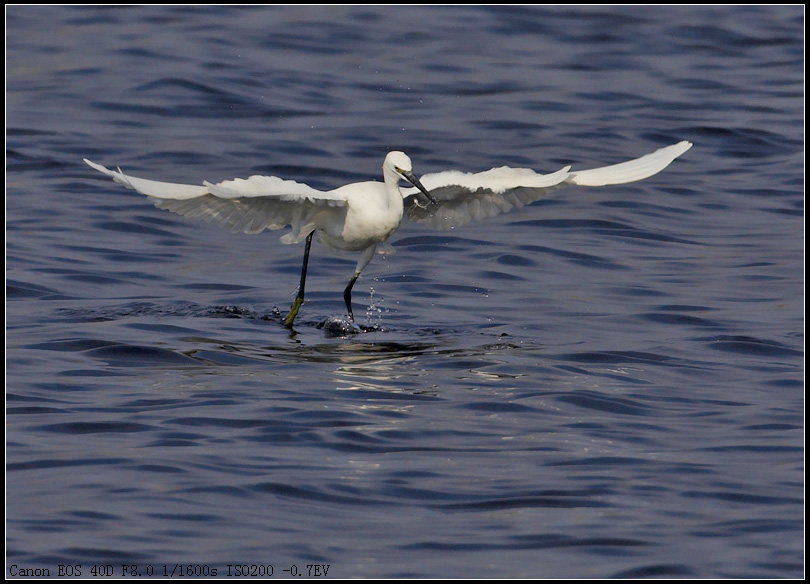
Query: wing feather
{"type": "Point", "coordinates": [632, 170]}
{"type": "Point", "coordinates": [464, 197]}
{"type": "Point", "coordinates": [242, 205]}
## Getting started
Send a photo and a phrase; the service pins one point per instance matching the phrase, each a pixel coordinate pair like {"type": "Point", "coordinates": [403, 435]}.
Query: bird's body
{"type": "Point", "coordinates": [373, 212]}
{"type": "Point", "coordinates": [360, 217]}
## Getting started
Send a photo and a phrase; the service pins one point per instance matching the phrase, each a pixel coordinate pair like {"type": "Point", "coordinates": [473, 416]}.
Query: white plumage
{"type": "Point", "coordinates": [464, 197]}
{"type": "Point", "coordinates": [362, 216]}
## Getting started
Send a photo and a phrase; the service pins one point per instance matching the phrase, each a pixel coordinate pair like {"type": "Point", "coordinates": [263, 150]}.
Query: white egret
{"type": "Point", "coordinates": [360, 217]}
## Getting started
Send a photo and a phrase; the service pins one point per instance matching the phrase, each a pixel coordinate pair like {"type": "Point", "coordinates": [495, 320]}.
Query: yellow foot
{"type": "Point", "coordinates": [288, 322]}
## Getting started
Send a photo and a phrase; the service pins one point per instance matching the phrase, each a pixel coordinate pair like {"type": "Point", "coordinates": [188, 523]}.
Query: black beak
{"type": "Point", "coordinates": [415, 182]}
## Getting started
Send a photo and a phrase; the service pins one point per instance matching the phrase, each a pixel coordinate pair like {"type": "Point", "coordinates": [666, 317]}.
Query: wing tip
{"type": "Point", "coordinates": [96, 166]}
{"type": "Point", "coordinates": [681, 146]}
{"type": "Point", "coordinates": [632, 170]}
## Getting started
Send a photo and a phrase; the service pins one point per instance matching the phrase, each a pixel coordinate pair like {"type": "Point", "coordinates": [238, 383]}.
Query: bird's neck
{"type": "Point", "coordinates": [393, 194]}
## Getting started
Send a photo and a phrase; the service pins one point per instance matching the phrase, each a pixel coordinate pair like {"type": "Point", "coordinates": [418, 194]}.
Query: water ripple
{"type": "Point", "coordinates": [606, 383]}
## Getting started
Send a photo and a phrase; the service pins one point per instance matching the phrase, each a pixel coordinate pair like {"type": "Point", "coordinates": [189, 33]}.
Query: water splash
{"type": "Point", "coordinates": [374, 311]}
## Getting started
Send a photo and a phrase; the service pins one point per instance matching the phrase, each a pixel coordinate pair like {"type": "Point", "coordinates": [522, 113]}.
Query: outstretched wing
{"type": "Point", "coordinates": [242, 205]}
{"type": "Point", "coordinates": [464, 197]}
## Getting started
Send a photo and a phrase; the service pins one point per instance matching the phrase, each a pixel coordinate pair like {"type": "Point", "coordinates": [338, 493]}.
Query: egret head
{"type": "Point", "coordinates": [398, 161]}
{"type": "Point", "coordinates": [400, 165]}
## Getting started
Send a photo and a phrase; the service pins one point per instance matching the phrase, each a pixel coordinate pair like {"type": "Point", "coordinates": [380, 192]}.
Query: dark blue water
{"type": "Point", "coordinates": [608, 383]}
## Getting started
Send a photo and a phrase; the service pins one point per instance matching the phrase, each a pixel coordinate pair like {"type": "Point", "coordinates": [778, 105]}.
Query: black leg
{"type": "Point", "coordinates": [365, 258]}
{"type": "Point", "coordinates": [347, 295]}
{"type": "Point", "coordinates": [299, 299]}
